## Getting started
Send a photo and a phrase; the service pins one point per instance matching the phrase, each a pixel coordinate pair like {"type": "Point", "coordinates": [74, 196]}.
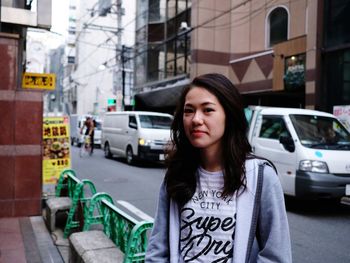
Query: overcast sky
{"type": "Point", "coordinates": [60, 16]}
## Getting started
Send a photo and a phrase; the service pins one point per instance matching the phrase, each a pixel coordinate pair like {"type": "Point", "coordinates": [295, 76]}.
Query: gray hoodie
{"type": "Point", "coordinates": [273, 231]}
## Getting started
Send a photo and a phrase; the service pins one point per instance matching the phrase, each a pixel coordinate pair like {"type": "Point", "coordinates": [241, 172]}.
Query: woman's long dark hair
{"type": "Point", "coordinates": [183, 159]}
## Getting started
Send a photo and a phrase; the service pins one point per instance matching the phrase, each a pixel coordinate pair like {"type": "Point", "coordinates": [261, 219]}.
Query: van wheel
{"type": "Point", "coordinates": [129, 156]}
{"type": "Point", "coordinates": [107, 151]}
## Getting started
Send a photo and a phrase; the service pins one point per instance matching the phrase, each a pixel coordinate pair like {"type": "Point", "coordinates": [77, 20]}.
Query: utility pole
{"type": "Point", "coordinates": [120, 51]}
{"type": "Point", "coordinates": [123, 76]}
{"type": "Point", "coordinates": [120, 12]}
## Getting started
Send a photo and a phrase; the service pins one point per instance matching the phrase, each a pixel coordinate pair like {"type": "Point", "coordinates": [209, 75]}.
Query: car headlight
{"type": "Point", "coordinates": [144, 142]}
{"type": "Point", "coordinates": [313, 166]}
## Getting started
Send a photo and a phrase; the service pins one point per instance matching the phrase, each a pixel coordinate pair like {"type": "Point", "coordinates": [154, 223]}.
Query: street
{"type": "Point", "coordinates": [320, 230]}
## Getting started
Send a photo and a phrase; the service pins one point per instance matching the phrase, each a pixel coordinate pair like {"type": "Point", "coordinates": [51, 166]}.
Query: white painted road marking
{"type": "Point", "coordinates": [135, 210]}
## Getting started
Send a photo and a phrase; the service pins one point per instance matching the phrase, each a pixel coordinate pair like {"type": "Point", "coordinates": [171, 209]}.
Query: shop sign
{"type": "Point", "coordinates": [56, 148]}
{"type": "Point", "coordinates": [39, 81]}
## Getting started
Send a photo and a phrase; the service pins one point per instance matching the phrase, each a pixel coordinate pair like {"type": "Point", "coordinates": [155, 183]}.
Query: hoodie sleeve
{"type": "Point", "coordinates": [273, 228]}
{"type": "Point", "coordinates": [158, 245]}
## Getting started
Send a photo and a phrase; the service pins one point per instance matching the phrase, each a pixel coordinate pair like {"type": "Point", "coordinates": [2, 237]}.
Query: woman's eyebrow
{"type": "Point", "coordinates": [202, 104]}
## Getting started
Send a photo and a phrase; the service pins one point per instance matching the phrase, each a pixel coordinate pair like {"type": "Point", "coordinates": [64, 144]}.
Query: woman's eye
{"type": "Point", "coordinates": [208, 110]}
{"type": "Point", "coordinates": [188, 110]}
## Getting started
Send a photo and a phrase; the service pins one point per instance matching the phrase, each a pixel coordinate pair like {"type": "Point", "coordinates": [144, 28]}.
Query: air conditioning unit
{"type": "Point", "coordinates": [12, 14]}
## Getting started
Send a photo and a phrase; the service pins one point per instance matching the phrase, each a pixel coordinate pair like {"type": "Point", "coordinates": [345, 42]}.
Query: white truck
{"type": "Point", "coordinates": [310, 149]}
{"type": "Point", "coordinates": [136, 135]}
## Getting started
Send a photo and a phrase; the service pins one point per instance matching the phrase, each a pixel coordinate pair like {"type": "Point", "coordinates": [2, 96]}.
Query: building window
{"type": "Point", "coordinates": [336, 21]}
{"type": "Point", "coordinates": [336, 79]}
{"type": "Point", "coordinates": [71, 60]}
{"type": "Point", "coordinates": [346, 77]}
{"type": "Point", "coordinates": [178, 47]}
{"type": "Point", "coordinates": [277, 26]}
{"type": "Point", "coordinates": [156, 10]}
{"type": "Point", "coordinates": [176, 7]}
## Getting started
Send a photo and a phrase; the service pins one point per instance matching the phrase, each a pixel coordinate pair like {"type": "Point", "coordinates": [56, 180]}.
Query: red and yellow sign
{"type": "Point", "coordinates": [56, 148]}
{"type": "Point", "coordinates": [39, 81]}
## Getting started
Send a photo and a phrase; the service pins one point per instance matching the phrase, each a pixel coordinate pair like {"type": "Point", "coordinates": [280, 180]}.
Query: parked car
{"type": "Point", "coordinates": [136, 135]}
{"type": "Point", "coordinates": [310, 149]}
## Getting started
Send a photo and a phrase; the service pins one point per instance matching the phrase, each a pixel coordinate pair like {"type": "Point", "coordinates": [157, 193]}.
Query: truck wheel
{"type": "Point", "coordinates": [107, 151]}
{"type": "Point", "coordinates": [129, 155]}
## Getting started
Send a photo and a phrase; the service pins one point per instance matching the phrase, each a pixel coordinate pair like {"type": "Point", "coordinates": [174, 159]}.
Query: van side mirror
{"type": "Point", "coordinates": [288, 143]}
{"type": "Point", "coordinates": [133, 125]}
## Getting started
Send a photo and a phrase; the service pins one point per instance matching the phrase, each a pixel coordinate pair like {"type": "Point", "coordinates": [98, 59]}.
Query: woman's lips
{"type": "Point", "coordinates": [197, 133]}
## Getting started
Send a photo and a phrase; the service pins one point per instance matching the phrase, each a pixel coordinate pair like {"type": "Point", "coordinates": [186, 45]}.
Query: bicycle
{"type": "Point", "coordinates": [86, 148]}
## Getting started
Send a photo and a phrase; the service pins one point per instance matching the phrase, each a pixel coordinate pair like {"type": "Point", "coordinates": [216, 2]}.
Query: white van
{"type": "Point", "coordinates": [136, 135]}
{"type": "Point", "coordinates": [310, 149]}
{"type": "Point", "coordinates": [76, 122]}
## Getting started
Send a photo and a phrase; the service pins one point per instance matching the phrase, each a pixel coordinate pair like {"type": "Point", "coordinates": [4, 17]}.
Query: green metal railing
{"type": "Point", "coordinates": [93, 211]}
{"type": "Point", "coordinates": [129, 235]}
{"type": "Point", "coordinates": [77, 190]}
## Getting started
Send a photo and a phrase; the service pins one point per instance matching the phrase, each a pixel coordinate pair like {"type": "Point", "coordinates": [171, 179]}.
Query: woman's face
{"type": "Point", "coordinates": [204, 119]}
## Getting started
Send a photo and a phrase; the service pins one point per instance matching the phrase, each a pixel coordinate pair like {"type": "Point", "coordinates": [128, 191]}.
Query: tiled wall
{"type": "Point", "coordinates": [20, 137]}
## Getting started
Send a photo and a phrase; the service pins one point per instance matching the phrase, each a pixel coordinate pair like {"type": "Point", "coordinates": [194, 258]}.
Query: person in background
{"type": "Point", "coordinates": [90, 125]}
{"type": "Point", "coordinates": [208, 210]}
{"type": "Point", "coordinates": [329, 135]}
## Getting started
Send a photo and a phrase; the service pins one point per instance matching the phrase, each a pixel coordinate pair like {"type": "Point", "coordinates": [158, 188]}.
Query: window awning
{"type": "Point", "coordinates": [159, 98]}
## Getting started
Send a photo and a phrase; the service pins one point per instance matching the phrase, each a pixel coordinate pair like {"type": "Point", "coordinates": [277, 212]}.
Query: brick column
{"type": "Point", "coordinates": [20, 136]}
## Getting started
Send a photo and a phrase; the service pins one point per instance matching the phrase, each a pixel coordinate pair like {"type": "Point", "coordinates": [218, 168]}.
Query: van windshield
{"type": "Point", "coordinates": [320, 132]}
{"type": "Point", "coordinates": [155, 122]}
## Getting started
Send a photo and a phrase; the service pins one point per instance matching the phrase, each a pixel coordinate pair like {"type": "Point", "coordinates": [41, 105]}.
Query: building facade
{"type": "Point", "coordinates": [267, 48]}
{"type": "Point", "coordinates": [162, 52]}
{"type": "Point", "coordinates": [277, 53]}
{"type": "Point", "coordinates": [55, 99]}
{"type": "Point", "coordinates": [335, 54]}
{"type": "Point", "coordinates": [97, 70]}
{"type": "Point", "coordinates": [69, 85]}
{"type": "Point", "coordinates": [86, 79]}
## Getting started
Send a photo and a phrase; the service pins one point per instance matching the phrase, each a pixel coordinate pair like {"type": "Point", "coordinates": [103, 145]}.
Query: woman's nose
{"type": "Point", "coordinates": [197, 118]}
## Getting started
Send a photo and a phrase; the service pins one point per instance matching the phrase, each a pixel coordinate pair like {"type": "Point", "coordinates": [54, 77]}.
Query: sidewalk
{"type": "Point", "coordinates": [26, 239]}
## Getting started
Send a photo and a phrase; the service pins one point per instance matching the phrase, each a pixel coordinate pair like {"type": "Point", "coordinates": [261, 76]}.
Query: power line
{"type": "Point", "coordinates": [130, 22]}
{"type": "Point", "coordinates": [202, 25]}
{"type": "Point", "coordinates": [190, 30]}
{"type": "Point", "coordinates": [174, 37]}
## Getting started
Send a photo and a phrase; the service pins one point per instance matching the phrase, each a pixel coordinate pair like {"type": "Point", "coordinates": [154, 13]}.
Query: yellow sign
{"type": "Point", "coordinates": [56, 148]}
{"type": "Point", "coordinates": [39, 81]}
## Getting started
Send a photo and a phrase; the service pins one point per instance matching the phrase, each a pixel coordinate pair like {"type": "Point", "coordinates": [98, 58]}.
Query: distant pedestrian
{"type": "Point", "coordinates": [208, 208]}
{"type": "Point", "coordinates": [90, 125]}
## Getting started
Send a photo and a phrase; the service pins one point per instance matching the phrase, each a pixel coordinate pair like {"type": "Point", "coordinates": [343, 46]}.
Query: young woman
{"type": "Point", "coordinates": [207, 201]}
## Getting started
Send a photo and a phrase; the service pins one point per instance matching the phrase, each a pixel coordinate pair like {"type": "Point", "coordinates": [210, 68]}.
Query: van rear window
{"type": "Point", "coordinates": [98, 125]}
{"type": "Point", "coordinates": [155, 122]}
